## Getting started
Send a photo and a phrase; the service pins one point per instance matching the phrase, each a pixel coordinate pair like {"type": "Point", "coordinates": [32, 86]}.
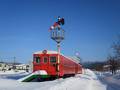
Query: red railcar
{"type": "Point", "coordinates": [47, 61]}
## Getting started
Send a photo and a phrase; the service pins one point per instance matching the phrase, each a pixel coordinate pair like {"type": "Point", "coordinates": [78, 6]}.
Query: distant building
{"type": "Point", "coordinates": [15, 66]}
{"type": "Point", "coordinates": [22, 67]}
{"type": "Point", "coordinates": [4, 66]}
{"type": "Point", "coordinates": [106, 67]}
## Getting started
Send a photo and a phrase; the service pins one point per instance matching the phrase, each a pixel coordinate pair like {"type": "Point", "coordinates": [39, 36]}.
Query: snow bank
{"type": "Point", "coordinates": [71, 84]}
{"type": "Point", "coordinates": [39, 72]}
{"type": "Point", "coordinates": [90, 73]}
{"type": "Point", "coordinates": [86, 81]}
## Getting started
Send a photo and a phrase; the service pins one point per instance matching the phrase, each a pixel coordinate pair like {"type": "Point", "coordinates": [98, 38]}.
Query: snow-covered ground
{"type": "Point", "coordinates": [86, 81]}
{"type": "Point", "coordinates": [13, 72]}
{"type": "Point", "coordinates": [112, 82]}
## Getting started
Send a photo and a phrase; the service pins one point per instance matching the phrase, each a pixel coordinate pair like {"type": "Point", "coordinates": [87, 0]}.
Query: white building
{"type": "Point", "coordinates": [8, 66]}
{"type": "Point", "coordinates": [22, 67]}
{"type": "Point", "coordinates": [4, 66]}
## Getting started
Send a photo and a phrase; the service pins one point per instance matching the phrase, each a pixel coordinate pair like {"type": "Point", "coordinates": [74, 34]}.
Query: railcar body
{"type": "Point", "coordinates": [47, 61]}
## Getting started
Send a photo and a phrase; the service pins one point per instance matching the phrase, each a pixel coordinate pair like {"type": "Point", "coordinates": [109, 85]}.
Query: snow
{"type": "Point", "coordinates": [12, 72]}
{"type": "Point", "coordinates": [48, 52]}
{"type": "Point", "coordinates": [86, 81]}
{"type": "Point", "coordinates": [112, 82]}
{"type": "Point", "coordinates": [40, 72]}
{"type": "Point", "coordinates": [79, 84]}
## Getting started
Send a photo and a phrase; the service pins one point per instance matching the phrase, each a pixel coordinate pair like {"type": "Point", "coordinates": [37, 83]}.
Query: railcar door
{"type": "Point", "coordinates": [53, 65]}
{"type": "Point", "coordinates": [45, 62]}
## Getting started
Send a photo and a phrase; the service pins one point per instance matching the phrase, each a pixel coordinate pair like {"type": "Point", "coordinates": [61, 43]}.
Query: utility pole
{"type": "Point", "coordinates": [14, 58]}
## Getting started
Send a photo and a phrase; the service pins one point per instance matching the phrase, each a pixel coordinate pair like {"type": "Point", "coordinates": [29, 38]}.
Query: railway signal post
{"type": "Point", "coordinates": [58, 34]}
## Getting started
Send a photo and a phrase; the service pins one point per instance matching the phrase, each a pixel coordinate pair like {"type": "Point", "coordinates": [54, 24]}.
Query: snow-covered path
{"type": "Point", "coordinates": [111, 82]}
{"type": "Point", "coordinates": [87, 81]}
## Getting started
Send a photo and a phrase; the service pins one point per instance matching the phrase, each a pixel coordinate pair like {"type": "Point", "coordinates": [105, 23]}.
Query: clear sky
{"type": "Point", "coordinates": [91, 27]}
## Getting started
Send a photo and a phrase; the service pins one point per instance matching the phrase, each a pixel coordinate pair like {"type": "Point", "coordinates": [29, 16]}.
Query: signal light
{"type": "Point", "coordinates": [44, 52]}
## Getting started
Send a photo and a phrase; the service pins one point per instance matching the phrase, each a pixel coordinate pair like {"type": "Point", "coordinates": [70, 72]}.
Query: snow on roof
{"type": "Point", "coordinates": [72, 59]}
{"type": "Point", "coordinates": [48, 52]}
{"type": "Point", "coordinates": [75, 59]}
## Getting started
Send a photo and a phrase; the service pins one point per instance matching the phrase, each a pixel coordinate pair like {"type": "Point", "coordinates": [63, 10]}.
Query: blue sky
{"type": "Point", "coordinates": [91, 27]}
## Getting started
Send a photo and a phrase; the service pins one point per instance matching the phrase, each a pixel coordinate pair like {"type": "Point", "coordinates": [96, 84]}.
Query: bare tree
{"type": "Point", "coordinates": [113, 64]}
{"type": "Point", "coordinates": [116, 48]}
{"type": "Point", "coordinates": [114, 59]}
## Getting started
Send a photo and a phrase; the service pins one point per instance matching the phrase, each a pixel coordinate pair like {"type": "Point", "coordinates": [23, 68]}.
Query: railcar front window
{"type": "Point", "coordinates": [37, 59]}
{"type": "Point", "coordinates": [53, 59]}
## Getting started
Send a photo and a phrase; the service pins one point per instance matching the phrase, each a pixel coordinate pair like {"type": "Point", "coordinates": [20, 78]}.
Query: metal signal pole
{"type": "Point", "coordinates": [58, 35]}
{"type": "Point", "coordinates": [58, 48]}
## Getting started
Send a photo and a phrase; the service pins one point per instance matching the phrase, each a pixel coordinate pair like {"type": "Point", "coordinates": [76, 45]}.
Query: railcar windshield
{"type": "Point", "coordinates": [37, 59]}
{"type": "Point", "coordinates": [52, 59]}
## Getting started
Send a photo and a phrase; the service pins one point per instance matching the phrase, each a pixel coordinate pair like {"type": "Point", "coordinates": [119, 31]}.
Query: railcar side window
{"type": "Point", "coordinates": [53, 59]}
{"type": "Point", "coordinates": [45, 60]}
{"type": "Point", "coordinates": [37, 59]}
